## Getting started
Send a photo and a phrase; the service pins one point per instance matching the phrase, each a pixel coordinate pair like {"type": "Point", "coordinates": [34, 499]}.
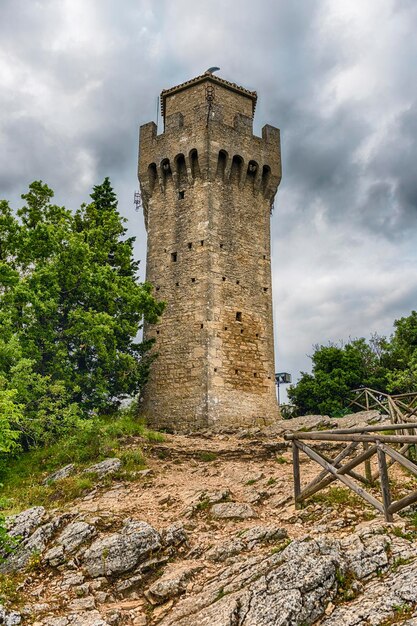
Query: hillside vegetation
{"type": "Point", "coordinates": [385, 364]}
{"type": "Point", "coordinates": [71, 307]}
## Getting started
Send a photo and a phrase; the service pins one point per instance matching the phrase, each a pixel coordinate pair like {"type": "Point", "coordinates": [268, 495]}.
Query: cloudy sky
{"type": "Point", "coordinates": [338, 77]}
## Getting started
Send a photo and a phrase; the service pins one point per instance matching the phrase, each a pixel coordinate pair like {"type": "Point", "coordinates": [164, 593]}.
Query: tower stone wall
{"type": "Point", "coordinates": [207, 187]}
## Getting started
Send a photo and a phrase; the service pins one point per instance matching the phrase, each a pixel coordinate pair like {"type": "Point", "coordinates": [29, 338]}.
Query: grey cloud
{"type": "Point", "coordinates": [78, 78]}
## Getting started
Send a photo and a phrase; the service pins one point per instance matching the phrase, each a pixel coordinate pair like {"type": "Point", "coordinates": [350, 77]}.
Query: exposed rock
{"type": "Point", "coordinates": [366, 553]}
{"type": "Point", "coordinates": [72, 537]}
{"type": "Point", "coordinates": [226, 550]}
{"type": "Point", "coordinates": [361, 418]}
{"type": "Point", "coordinates": [72, 579]}
{"type": "Point", "coordinates": [260, 534]}
{"type": "Point", "coordinates": [23, 524]}
{"type": "Point", "coordinates": [316, 422]}
{"type": "Point", "coordinates": [172, 583]}
{"type": "Point", "coordinates": [91, 618]}
{"type": "Point", "coordinates": [108, 466]}
{"type": "Point", "coordinates": [203, 499]}
{"type": "Point", "coordinates": [144, 472]}
{"type": "Point", "coordinates": [9, 618]}
{"type": "Point", "coordinates": [35, 544]}
{"type": "Point", "coordinates": [64, 472]}
{"type": "Point", "coordinates": [381, 600]}
{"type": "Point", "coordinates": [121, 552]}
{"type": "Point", "coordinates": [232, 510]}
{"type": "Point", "coordinates": [152, 564]}
{"type": "Point", "coordinates": [129, 584]}
{"type": "Point", "coordinates": [174, 535]}
{"type": "Point", "coordinates": [290, 587]}
{"type": "Point", "coordinates": [82, 604]}
{"type": "Point", "coordinates": [246, 541]}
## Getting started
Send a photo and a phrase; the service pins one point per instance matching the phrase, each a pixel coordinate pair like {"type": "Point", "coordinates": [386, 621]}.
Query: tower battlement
{"type": "Point", "coordinates": [207, 186]}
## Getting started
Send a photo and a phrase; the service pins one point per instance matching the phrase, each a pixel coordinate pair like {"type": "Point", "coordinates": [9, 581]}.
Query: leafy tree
{"type": "Point", "coordinates": [71, 308]}
{"type": "Point", "coordinates": [403, 375]}
{"type": "Point", "coordinates": [337, 370]}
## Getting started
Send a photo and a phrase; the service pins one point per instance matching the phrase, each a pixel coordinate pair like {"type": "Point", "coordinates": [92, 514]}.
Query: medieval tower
{"type": "Point", "coordinates": [207, 188]}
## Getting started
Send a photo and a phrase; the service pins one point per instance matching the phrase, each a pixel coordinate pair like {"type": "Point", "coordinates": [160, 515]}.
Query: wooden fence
{"type": "Point", "coordinates": [401, 407]}
{"type": "Point", "coordinates": [361, 445]}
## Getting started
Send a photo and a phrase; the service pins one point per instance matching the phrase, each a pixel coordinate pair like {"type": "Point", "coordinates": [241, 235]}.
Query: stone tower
{"type": "Point", "coordinates": [207, 188]}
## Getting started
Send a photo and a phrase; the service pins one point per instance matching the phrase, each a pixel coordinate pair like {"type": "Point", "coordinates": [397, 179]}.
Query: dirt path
{"type": "Point", "coordinates": [183, 469]}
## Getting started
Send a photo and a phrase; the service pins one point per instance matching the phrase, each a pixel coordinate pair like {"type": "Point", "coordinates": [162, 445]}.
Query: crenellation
{"type": "Point", "coordinates": [207, 185]}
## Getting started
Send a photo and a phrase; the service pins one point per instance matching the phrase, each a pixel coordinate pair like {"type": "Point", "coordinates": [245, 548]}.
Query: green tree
{"type": "Point", "coordinates": [403, 353]}
{"type": "Point", "coordinates": [71, 308]}
{"type": "Point", "coordinates": [336, 371]}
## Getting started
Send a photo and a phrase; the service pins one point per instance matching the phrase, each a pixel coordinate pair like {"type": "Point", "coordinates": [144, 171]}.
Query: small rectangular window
{"type": "Point", "coordinates": [193, 280]}
{"type": "Point", "coordinates": [173, 257]}
{"type": "Point", "coordinates": [190, 245]}
{"type": "Point", "coordinates": [238, 316]}
{"type": "Point", "coordinates": [181, 195]}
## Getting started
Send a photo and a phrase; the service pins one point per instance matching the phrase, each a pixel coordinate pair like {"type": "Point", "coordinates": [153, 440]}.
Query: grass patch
{"type": "Point", "coordinates": [271, 482]}
{"type": "Point", "coordinates": [93, 441]}
{"type": "Point", "coordinates": [281, 546]}
{"type": "Point", "coordinates": [220, 594]}
{"type": "Point", "coordinates": [203, 505]}
{"type": "Point", "coordinates": [345, 590]}
{"type": "Point", "coordinates": [9, 589]}
{"type": "Point", "coordinates": [281, 460]}
{"type": "Point", "coordinates": [399, 532]}
{"type": "Point", "coordinates": [400, 561]}
{"type": "Point", "coordinates": [400, 613]}
{"type": "Point", "coordinates": [154, 437]}
{"type": "Point", "coordinates": [207, 457]}
{"type": "Point", "coordinates": [338, 496]}
{"type": "Point", "coordinates": [132, 461]}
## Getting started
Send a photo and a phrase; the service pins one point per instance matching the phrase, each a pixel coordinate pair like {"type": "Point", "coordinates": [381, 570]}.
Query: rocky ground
{"type": "Point", "coordinates": [208, 535]}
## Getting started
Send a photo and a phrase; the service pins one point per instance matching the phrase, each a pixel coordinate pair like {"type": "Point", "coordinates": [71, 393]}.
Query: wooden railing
{"type": "Point", "coordinates": [361, 445]}
{"type": "Point", "coordinates": [401, 407]}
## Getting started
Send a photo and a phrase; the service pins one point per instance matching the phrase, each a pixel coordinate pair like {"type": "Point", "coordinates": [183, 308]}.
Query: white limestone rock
{"type": "Point", "coordinates": [64, 472]}
{"type": "Point", "coordinates": [108, 466]}
{"type": "Point", "coordinates": [23, 524]}
{"type": "Point", "coordinates": [232, 510]}
{"type": "Point", "coordinates": [123, 551]}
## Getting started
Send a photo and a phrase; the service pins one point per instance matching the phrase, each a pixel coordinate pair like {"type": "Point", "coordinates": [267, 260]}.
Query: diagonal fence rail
{"type": "Point", "coordinates": [400, 407]}
{"type": "Point", "coordinates": [361, 445]}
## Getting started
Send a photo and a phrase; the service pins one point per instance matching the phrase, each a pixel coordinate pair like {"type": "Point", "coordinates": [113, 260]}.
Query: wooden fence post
{"type": "Point", "coordinates": [368, 469]}
{"type": "Point", "coordinates": [296, 473]}
{"type": "Point", "coordinates": [383, 472]}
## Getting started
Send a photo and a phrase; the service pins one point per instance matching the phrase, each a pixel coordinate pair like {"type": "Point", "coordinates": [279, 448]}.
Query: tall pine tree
{"type": "Point", "coordinates": [71, 308]}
